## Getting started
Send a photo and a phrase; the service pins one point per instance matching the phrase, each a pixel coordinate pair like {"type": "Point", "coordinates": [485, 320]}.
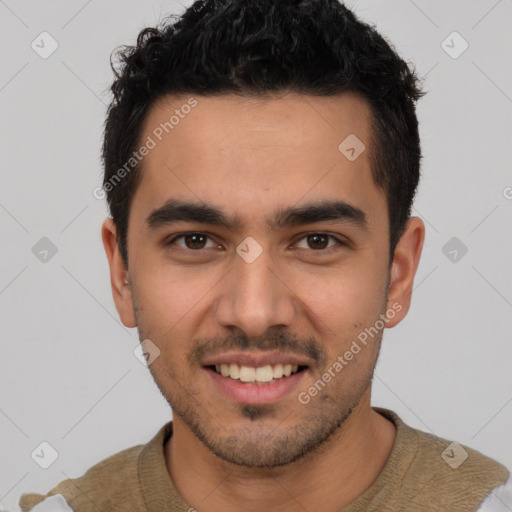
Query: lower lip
{"type": "Point", "coordinates": [255, 394]}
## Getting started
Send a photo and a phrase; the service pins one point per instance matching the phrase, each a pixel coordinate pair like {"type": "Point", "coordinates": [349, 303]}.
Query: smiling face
{"type": "Point", "coordinates": [257, 249]}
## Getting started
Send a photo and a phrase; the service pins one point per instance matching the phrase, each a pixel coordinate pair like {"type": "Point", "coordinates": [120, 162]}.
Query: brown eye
{"type": "Point", "coordinates": [318, 241]}
{"type": "Point", "coordinates": [192, 241]}
{"type": "Point", "coordinates": [195, 241]}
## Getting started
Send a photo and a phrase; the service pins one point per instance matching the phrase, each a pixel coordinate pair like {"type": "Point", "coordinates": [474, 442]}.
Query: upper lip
{"type": "Point", "coordinates": [255, 359]}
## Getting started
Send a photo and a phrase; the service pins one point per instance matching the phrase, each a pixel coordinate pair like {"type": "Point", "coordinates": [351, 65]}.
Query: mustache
{"type": "Point", "coordinates": [278, 341]}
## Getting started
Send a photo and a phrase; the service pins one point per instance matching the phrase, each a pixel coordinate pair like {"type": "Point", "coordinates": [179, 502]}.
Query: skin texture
{"type": "Point", "coordinates": [250, 157]}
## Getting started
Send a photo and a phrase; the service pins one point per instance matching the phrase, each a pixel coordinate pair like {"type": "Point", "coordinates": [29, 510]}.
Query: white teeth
{"type": "Point", "coordinates": [261, 374]}
{"type": "Point", "coordinates": [247, 374]}
{"type": "Point", "coordinates": [264, 373]}
{"type": "Point", "coordinates": [234, 371]}
{"type": "Point", "coordinates": [278, 371]}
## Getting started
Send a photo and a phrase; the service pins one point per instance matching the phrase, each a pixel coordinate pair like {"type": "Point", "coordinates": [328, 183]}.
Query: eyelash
{"type": "Point", "coordinates": [328, 250]}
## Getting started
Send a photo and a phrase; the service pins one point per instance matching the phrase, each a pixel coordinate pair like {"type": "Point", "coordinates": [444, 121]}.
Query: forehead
{"type": "Point", "coordinates": [232, 150]}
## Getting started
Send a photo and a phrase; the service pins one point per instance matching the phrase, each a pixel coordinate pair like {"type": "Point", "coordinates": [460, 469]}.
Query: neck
{"type": "Point", "coordinates": [329, 478]}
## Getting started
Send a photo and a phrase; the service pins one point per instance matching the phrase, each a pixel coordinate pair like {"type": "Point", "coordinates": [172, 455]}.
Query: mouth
{"type": "Point", "coordinates": [261, 375]}
{"type": "Point", "coordinates": [255, 379]}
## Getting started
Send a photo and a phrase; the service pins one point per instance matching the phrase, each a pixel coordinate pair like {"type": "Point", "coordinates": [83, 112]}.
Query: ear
{"type": "Point", "coordinates": [403, 269]}
{"type": "Point", "coordinates": [121, 289]}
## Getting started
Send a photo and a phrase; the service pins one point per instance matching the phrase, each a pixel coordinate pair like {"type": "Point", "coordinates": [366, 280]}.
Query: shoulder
{"type": "Point", "coordinates": [446, 459]}
{"type": "Point", "coordinates": [54, 503]}
{"type": "Point", "coordinates": [453, 475]}
{"type": "Point", "coordinates": [500, 500]}
{"type": "Point", "coordinates": [103, 484]}
{"type": "Point", "coordinates": [438, 474]}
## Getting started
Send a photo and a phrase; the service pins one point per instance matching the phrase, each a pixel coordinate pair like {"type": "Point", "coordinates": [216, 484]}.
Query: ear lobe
{"type": "Point", "coordinates": [119, 282]}
{"type": "Point", "coordinates": [403, 269]}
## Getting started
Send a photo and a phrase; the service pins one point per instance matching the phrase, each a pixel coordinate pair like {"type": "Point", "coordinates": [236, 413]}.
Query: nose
{"type": "Point", "coordinates": [255, 297]}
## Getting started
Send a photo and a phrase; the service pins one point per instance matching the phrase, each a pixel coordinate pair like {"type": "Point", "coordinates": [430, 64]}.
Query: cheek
{"type": "Point", "coordinates": [169, 297]}
{"type": "Point", "coordinates": [343, 300]}
{"type": "Point", "coordinates": [164, 291]}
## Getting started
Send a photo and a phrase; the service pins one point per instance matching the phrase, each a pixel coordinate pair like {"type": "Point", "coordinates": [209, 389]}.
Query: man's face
{"type": "Point", "coordinates": [272, 290]}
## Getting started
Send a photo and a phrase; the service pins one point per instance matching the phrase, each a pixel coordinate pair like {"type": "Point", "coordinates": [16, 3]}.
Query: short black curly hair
{"type": "Point", "coordinates": [253, 48]}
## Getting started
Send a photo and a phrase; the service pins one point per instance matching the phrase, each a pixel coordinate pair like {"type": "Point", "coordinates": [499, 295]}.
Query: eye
{"type": "Point", "coordinates": [195, 242]}
{"type": "Point", "coordinates": [192, 241]}
{"type": "Point", "coordinates": [319, 242]}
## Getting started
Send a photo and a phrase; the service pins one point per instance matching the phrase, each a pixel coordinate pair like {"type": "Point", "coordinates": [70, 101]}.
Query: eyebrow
{"type": "Point", "coordinates": [176, 210]}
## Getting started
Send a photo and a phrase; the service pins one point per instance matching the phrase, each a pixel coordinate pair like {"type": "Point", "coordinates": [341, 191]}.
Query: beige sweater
{"type": "Point", "coordinates": [416, 478]}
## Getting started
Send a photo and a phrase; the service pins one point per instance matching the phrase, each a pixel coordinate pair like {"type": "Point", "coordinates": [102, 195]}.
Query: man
{"type": "Point", "coordinates": [261, 159]}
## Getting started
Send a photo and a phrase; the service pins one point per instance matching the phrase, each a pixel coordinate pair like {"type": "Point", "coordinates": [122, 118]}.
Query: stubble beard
{"type": "Point", "coordinates": [256, 445]}
{"type": "Point", "coordinates": [253, 446]}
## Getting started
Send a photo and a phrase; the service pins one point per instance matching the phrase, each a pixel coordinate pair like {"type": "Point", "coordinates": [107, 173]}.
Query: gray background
{"type": "Point", "coordinates": [68, 373]}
